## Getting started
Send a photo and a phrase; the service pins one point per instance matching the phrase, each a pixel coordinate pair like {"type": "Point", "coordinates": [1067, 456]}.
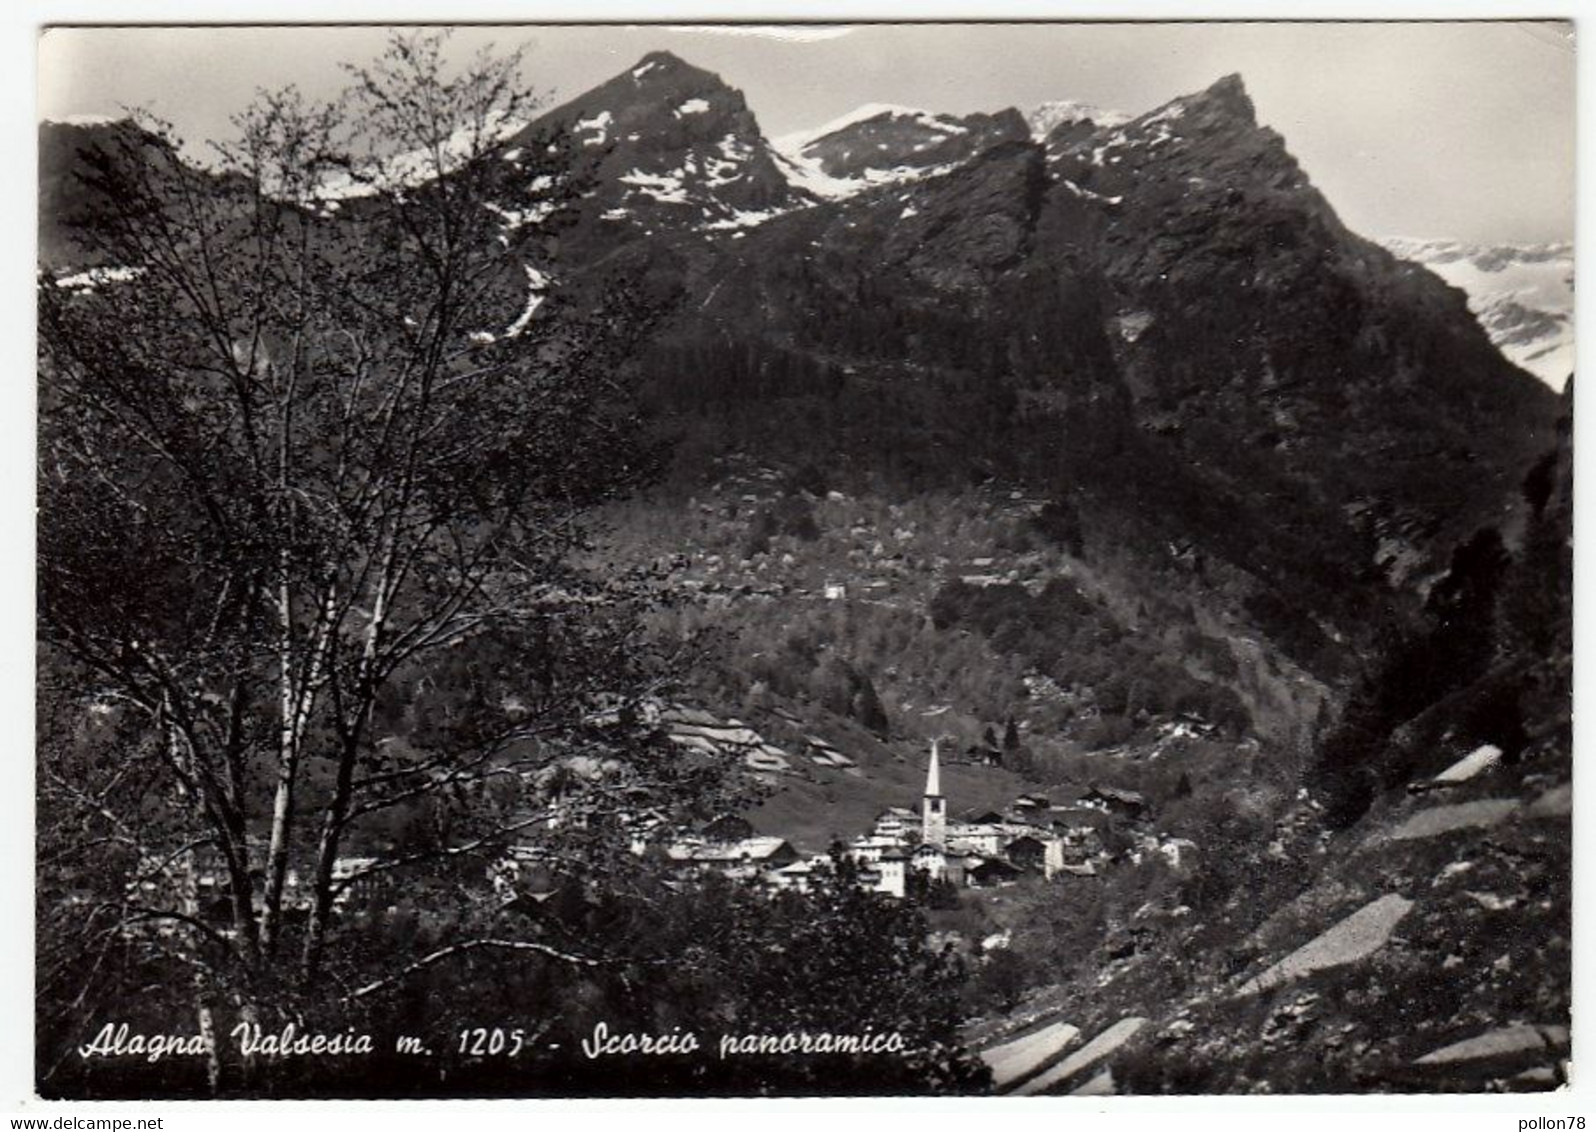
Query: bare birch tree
{"type": "Point", "coordinates": [318, 431]}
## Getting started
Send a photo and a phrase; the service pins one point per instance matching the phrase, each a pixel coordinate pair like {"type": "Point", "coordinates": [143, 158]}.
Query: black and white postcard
{"type": "Point", "coordinates": [723, 560]}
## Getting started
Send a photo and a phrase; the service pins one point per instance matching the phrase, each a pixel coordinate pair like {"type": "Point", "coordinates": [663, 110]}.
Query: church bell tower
{"type": "Point", "coordinates": [934, 807]}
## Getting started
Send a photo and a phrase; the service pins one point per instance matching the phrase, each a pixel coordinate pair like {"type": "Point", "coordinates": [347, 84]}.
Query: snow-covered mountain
{"type": "Point", "coordinates": [1523, 295]}
{"type": "Point", "coordinates": [880, 144]}
{"type": "Point", "coordinates": [1043, 119]}
{"type": "Point", "coordinates": [670, 146]}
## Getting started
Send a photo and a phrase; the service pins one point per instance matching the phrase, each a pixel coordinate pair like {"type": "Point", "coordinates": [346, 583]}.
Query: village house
{"type": "Point", "coordinates": [1027, 853]}
{"type": "Point", "coordinates": [794, 876]}
{"type": "Point", "coordinates": [1172, 850]}
{"type": "Point", "coordinates": [869, 848]}
{"type": "Point", "coordinates": [992, 872]}
{"type": "Point", "coordinates": [931, 861]}
{"type": "Point", "coordinates": [892, 872]}
{"type": "Point", "coordinates": [895, 823]}
{"type": "Point", "coordinates": [727, 828]}
{"type": "Point", "coordinates": [979, 840]}
{"type": "Point", "coordinates": [1113, 800]}
{"type": "Point", "coordinates": [745, 857]}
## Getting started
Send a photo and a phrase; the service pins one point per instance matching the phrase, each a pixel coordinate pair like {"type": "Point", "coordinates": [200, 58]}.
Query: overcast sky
{"type": "Point", "coordinates": [1441, 129]}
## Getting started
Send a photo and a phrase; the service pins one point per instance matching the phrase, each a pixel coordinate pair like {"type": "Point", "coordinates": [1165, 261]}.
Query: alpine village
{"type": "Point", "coordinates": [1035, 585]}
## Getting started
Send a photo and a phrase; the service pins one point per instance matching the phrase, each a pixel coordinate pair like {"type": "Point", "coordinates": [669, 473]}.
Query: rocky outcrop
{"type": "Point", "coordinates": [1013, 1061]}
{"type": "Point", "coordinates": [1089, 1055]}
{"type": "Point", "coordinates": [1356, 937]}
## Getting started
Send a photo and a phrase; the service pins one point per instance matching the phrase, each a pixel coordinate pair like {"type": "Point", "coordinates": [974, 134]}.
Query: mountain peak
{"type": "Point", "coordinates": [658, 65]}
{"type": "Point", "coordinates": [1228, 95]}
{"type": "Point", "coordinates": [671, 145]}
{"type": "Point", "coordinates": [1224, 102]}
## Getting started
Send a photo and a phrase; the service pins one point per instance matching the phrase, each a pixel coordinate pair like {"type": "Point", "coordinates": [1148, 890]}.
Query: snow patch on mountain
{"type": "Point", "coordinates": [538, 284]}
{"type": "Point", "coordinates": [516, 218]}
{"type": "Point", "coordinates": [598, 126]}
{"type": "Point", "coordinates": [1048, 116]}
{"type": "Point", "coordinates": [665, 189]}
{"type": "Point", "coordinates": [1088, 194]}
{"type": "Point", "coordinates": [741, 219]}
{"type": "Point", "coordinates": [806, 173]}
{"type": "Point", "coordinates": [1170, 113]}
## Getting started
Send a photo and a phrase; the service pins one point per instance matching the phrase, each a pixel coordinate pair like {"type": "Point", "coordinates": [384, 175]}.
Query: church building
{"type": "Point", "coordinates": [934, 807]}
